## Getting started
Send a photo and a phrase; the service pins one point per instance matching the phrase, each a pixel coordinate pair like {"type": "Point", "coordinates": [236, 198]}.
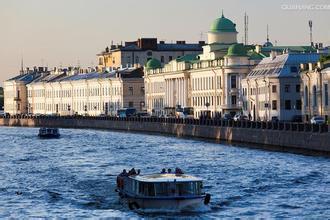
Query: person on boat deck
{"type": "Point", "coordinates": [124, 173]}
{"type": "Point", "coordinates": [132, 172]}
{"type": "Point", "coordinates": [178, 171]}
{"type": "Point", "coordinates": [169, 170]}
{"type": "Point", "coordinates": [163, 170]}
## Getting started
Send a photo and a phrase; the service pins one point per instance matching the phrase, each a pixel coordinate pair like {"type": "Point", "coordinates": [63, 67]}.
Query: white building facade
{"type": "Point", "coordinates": [315, 91]}
{"type": "Point", "coordinates": [138, 53]}
{"type": "Point", "coordinates": [72, 92]}
{"type": "Point", "coordinates": [210, 81]}
{"type": "Point", "coordinates": [273, 88]}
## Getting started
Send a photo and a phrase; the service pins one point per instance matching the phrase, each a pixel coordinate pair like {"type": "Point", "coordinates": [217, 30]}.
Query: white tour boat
{"type": "Point", "coordinates": [166, 190]}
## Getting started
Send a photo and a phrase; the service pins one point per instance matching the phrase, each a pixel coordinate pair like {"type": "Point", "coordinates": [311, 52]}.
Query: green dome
{"type": "Point", "coordinates": [237, 50]}
{"type": "Point", "coordinates": [223, 25]}
{"type": "Point", "coordinates": [153, 64]}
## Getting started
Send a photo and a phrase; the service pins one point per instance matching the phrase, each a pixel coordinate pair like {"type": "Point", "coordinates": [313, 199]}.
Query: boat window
{"type": "Point", "coordinates": [146, 189]}
{"type": "Point", "coordinates": [151, 189]}
{"type": "Point", "coordinates": [141, 188]}
{"type": "Point", "coordinates": [163, 189]}
{"type": "Point", "coordinates": [134, 186]}
{"type": "Point", "coordinates": [189, 188]}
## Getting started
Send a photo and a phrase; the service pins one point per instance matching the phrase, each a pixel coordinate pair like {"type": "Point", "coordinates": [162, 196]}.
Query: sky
{"type": "Point", "coordinates": [71, 32]}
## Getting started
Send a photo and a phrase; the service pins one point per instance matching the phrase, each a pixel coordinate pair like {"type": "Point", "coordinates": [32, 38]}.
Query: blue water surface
{"type": "Point", "coordinates": [74, 176]}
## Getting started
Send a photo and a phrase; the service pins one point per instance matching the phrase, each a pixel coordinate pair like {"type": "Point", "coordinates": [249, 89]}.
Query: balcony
{"type": "Point", "coordinates": [17, 99]}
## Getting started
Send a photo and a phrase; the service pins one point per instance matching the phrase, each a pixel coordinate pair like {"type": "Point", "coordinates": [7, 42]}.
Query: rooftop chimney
{"type": "Point", "coordinates": [181, 42]}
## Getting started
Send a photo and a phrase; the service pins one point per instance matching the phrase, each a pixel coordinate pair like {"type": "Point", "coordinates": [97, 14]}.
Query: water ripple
{"type": "Point", "coordinates": [74, 177]}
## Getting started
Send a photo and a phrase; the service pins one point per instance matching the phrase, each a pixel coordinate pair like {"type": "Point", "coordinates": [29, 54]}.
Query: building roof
{"type": "Point", "coordinates": [161, 47]}
{"type": "Point", "coordinates": [49, 77]}
{"type": "Point", "coordinates": [237, 50]}
{"type": "Point", "coordinates": [176, 47]}
{"type": "Point", "coordinates": [187, 58]}
{"type": "Point", "coordinates": [268, 44]}
{"type": "Point", "coordinates": [326, 70]}
{"type": "Point", "coordinates": [253, 55]}
{"type": "Point", "coordinates": [153, 64]}
{"type": "Point", "coordinates": [223, 24]}
{"type": "Point", "coordinates": [294, 49]}
{"type": "Point", "coordinates": [284, 65]}
{"type": "Point", "coordinates": [123, 73]}
{"type": "Point", "coordinates": [26, 78]}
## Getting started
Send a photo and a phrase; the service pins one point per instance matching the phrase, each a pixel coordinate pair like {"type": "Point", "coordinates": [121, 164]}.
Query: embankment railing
{"type": "Point", "coordinates": [281, 126]}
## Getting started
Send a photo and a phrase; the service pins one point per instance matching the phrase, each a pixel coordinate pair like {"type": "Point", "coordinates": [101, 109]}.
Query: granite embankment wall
{"type": "Point", "coordinates": [282, 137]}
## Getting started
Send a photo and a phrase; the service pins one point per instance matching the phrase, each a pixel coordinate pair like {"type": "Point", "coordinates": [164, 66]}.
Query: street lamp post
{"type": "Point", "coordinates": [207, 115]}
{"type": "Point", "coordinates": [85, 108]}
{"type": "Point", "coordinates": [207, 105]}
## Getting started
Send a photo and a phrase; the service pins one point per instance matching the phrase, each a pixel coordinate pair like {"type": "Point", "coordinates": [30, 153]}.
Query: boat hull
{"type": "Point", "coordinates": [48, 136]}
{"type": "Point", "coordinates": [173, 204]}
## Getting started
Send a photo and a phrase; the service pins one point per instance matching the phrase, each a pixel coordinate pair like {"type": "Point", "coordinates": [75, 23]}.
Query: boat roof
{"type": "Point", "coordinates": [165, 177]}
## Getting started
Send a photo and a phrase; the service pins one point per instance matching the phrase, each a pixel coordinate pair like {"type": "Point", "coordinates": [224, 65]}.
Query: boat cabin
{"type": "Point", "coordinates": [163, 185]}
{"type": "Point", "coordinates": [49, 132]}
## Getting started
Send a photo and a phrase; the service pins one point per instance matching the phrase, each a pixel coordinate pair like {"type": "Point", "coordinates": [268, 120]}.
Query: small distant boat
{"type": "Point", "coordinates": [162, 191]}
{"type": "Point", "coordinates": [49, 133]}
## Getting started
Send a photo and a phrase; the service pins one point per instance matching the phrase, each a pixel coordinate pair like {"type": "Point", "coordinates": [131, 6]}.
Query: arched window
{"type": "Point", "coordinates": [314, 97]}
{"type": "Point", "coordinates": [306, 96]}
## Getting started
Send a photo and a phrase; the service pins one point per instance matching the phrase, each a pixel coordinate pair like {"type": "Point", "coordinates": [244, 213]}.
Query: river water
{"type": "Point", "coordinates": [74, 176]}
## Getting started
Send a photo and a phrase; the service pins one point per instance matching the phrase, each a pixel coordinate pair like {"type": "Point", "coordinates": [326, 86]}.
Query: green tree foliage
{"type": "Point", "coordinates": [325, 58]}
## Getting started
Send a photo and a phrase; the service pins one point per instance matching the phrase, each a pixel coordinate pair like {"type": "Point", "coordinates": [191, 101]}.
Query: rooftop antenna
{"type": "Point", "coordinates": [267, 34]}
{"type": "Point", "coordinates": [246, 28]}
{"type": "Point", "coordinates": [310, 24]}
{"type": "Point", "coordinates": [22, 65]}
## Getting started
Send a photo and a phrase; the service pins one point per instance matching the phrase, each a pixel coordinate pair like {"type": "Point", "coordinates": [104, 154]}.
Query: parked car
{"type": "Point", "coordinates": [297, 118]}
{"type": "Point", "coordinates": [169, 116]}
{"type": "Point", "coordinates": [227, 117]}
{"type": "Point", "coordinates": [274, 119]}
{"type": "Point", "coordinates": [142, 115]}
{"type": "Point", "coordinates": [317, 120]}
{"type": "Point", "coordinates": [126, 112]}
{"type": "Point", "coordinates": [240, 117]}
